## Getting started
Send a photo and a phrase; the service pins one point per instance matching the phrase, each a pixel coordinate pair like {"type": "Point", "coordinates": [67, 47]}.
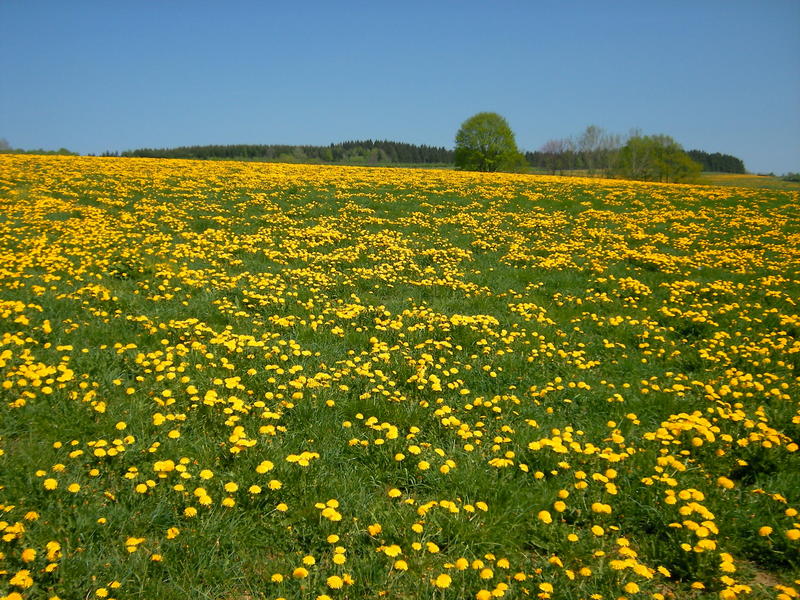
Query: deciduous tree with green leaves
{"type": "Point", "coordinates": [656, 158]}
{"type": "Point", "coordinates": [485, 142]}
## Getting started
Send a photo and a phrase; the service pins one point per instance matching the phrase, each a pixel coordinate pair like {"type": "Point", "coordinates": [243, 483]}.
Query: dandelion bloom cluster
{"type": "Point", "coordinates": [237, 379]}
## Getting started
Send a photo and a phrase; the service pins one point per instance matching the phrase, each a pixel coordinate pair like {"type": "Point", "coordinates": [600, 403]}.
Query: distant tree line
{"type": "Point", "coordinates": [372, 152]}
{"type": "Point", "coordinates": [635, 156]}
{"type": "Point", "coordinates": [5, 148]}
{"type": "Point", "coordinates": [485, 142]}
{"type": "Point", "coordinates": [594, 151]}
{"type": "Point", "coordinates": [655, 158]}
{"type": "Point", "coordinates": [721, 163]}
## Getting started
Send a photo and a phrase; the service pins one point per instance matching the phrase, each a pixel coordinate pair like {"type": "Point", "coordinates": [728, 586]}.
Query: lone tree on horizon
{"type": "Point", "coordinates": [485, 142]}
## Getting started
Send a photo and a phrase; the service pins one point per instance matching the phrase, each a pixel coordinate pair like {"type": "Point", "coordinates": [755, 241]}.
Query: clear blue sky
{"type": "Point", "coordinates": [722, 76]}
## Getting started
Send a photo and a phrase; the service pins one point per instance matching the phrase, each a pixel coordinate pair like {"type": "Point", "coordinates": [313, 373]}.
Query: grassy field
{"type": "Point", "coordinates": [251, 381]}
{"type": "Point", "coordinates": [769, 182]}
{"type": "Point", "coordinates": [750, 181]}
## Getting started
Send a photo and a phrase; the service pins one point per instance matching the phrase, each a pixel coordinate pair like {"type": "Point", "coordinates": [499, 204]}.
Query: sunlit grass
{"type": "Point", "coordinates": [750, 181]}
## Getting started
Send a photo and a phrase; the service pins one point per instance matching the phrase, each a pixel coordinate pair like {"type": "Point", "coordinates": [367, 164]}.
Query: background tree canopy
{"type": "Point", "coordinates": [720, 163]}
{"type": "Point", "coordinates": [485, 142]}
{"type": "Point", "coordinates": [370, 152]}
{"type": "Point", "coordinates": [656, 158]}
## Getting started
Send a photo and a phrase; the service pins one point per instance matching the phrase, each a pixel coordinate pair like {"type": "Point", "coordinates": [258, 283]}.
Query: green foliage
{"type": "Point", "coordinates": [369, 152]}
{"type": "Point", "coordinates": [60, 151]}
{"type": "Point", "coordinates": [485, 142]}
{"type": "Point", "coordinates": [656, 158]}
{"type": "Point", "coordinates": [716, 162]}
{"type": "Point", "coordinates": [647, 157]}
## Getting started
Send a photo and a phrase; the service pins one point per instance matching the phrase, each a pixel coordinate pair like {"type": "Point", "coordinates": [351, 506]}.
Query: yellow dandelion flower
{"type": "Point", "coordinates": [28, 555]}
{"type": "Point", "coordinates": [392, 551]}
{"type": "Point", "coordinates": [726, 483]}
{"type": "Point", "coordinates": [631, 588]}
{"type": "Point", "coordinates": [264, 466]}
{"type": "Point", "coordinates": [443, 581]}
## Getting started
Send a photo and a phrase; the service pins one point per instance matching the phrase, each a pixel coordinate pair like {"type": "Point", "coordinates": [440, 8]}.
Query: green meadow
{"type": "Point", "coordinates": [240, 381]}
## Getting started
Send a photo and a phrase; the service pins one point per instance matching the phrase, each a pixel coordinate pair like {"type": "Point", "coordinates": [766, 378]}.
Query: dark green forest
{"type": "Point", "coordinates": [60, 151]}
{"type": "Point", "coordinates": [720, 163]}
{"type": "Point", "coordinates": [367, 152]}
